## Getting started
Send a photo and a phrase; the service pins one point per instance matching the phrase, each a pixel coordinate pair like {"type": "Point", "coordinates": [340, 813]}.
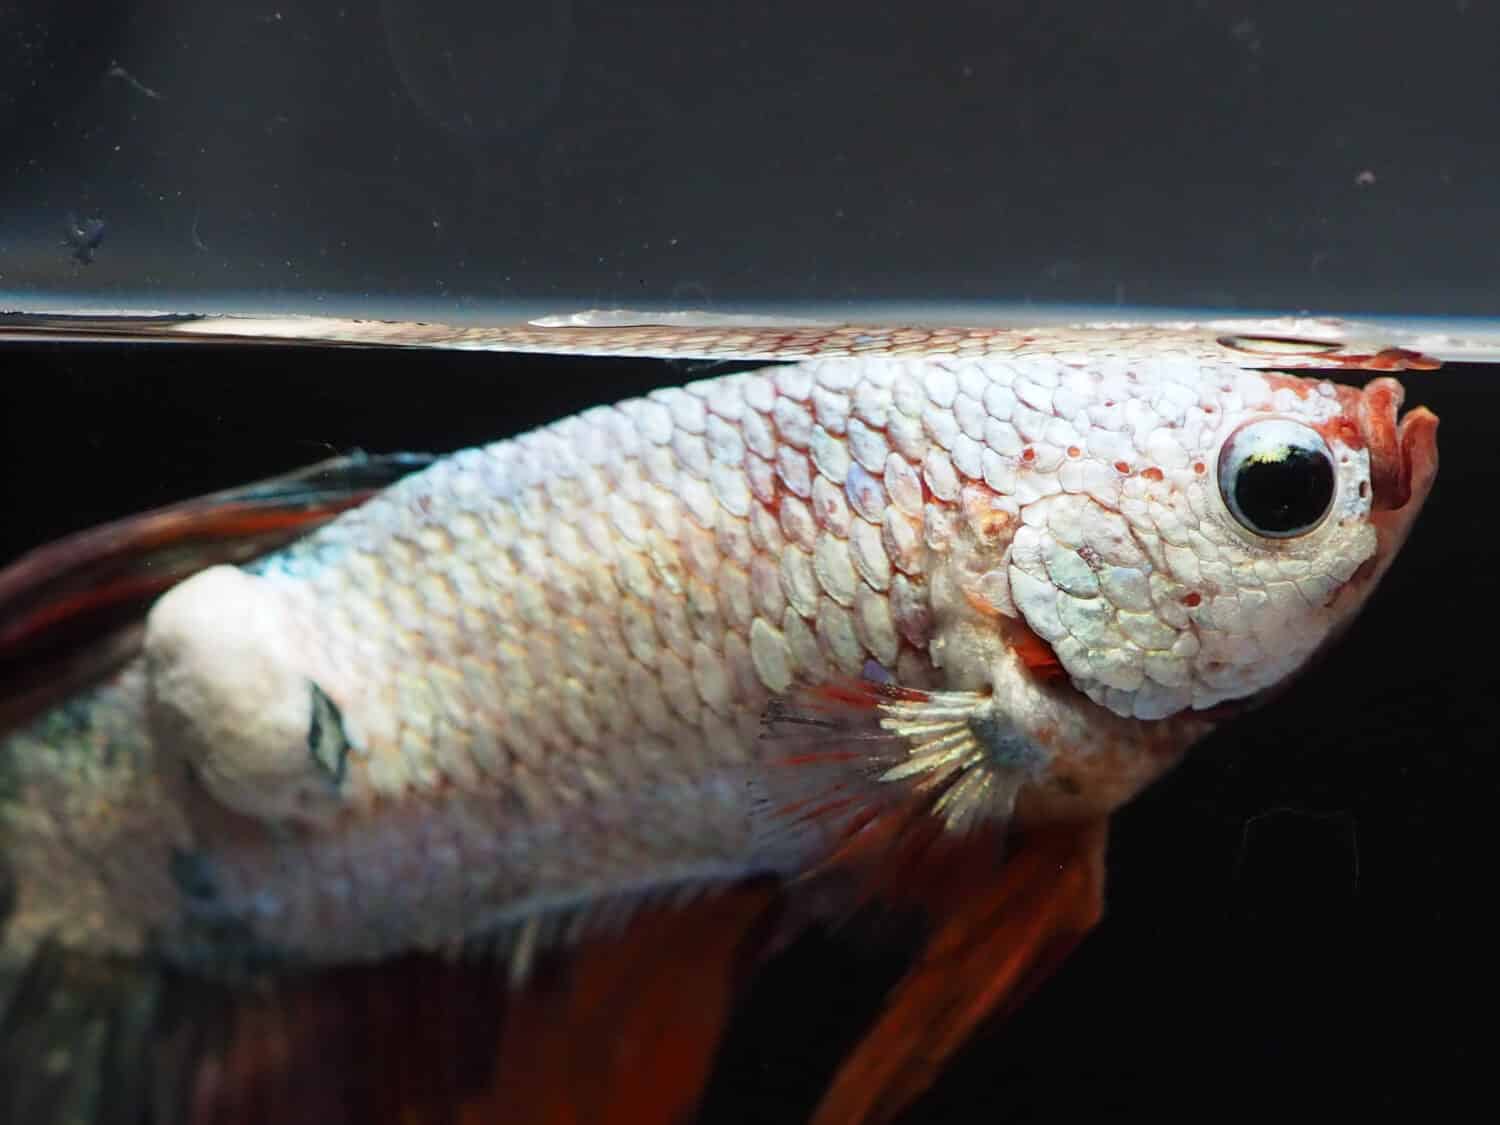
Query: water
{"type": "Point", "coordinates": [1283, 908]}
{"type": "Point", "coordinates": [1296, 912]}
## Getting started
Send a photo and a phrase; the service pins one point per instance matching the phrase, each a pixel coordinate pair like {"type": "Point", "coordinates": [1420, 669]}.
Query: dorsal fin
{"type": "Point", "coordinates": [1276, 342]}
{"type": "Point", "coordinates": [69, 610]}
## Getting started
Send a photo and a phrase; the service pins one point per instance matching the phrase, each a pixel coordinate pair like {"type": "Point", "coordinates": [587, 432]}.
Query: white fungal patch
{"type": "Point", "coordinates": [232, 682]}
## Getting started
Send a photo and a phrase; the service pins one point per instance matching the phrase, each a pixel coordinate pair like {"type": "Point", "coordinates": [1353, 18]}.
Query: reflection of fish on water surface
{"type": "Point", "coordinates": [626, 700]}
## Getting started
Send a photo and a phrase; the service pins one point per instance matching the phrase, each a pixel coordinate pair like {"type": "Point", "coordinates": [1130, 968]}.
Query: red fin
{"type": "Point", "coordinates": [991, 945]}
{"type": "Point", "coordinates": [61, 605]}
{"type": "Point", "coordinates": [621, 1028]}
{"type": "Point", "coordinates": [821, 752]}
{"type": "Point", "coordinates": [645, 1012]}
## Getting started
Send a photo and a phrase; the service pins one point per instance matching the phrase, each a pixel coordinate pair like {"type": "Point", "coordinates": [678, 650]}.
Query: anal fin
{"type": "Point", "coordinates": [621, 1027]}
{"type": "Point", "coordinates": [644, 1014]}
{"type": "Point", "coordinates": [989, 947]}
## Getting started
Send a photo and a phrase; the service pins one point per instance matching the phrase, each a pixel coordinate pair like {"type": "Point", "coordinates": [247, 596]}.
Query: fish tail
{"type": "Point", "coordinates": [94, 1041]}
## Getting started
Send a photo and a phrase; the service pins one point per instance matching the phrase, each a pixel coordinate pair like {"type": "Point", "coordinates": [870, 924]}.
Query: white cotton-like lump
{"type": "Point", "coordinates": [229, 694]}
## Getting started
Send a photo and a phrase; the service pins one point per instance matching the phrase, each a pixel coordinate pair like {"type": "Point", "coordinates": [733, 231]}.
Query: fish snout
{"type": "Point", "coordinates": [1403, 467]}
{"type": "Point", "coordinates": [1403, 454]}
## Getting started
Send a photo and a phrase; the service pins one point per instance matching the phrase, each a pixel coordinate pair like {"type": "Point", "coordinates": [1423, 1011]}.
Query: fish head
{"type": "Point", "coordinates": [1250, 530]}
{"type": "Point", "coordinates": [1233, 534]}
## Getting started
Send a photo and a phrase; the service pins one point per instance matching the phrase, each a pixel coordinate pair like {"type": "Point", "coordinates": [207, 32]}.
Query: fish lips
{"type": "Point", "coordinates": [1403, 455]}
{"type": "Point", "coordinates": [1403, 466]}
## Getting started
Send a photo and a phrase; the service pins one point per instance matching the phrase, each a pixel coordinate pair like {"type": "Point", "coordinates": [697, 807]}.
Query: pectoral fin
{"type": "Point", "coordinates": [882, 779]}
{"type": "Point", "coordinates": [882, 793]}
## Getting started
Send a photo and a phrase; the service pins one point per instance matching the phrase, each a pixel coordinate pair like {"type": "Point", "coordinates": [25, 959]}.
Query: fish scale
{"type": "Point", "coordinates": [550, 656]}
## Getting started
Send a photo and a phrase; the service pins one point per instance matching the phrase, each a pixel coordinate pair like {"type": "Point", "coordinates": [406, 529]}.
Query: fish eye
{"type": "Point", "coordinates": [1277, 478]}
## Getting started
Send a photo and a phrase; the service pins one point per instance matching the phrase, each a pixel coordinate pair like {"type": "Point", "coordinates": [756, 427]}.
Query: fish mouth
{"type": "Point", "coordinates": [1403, 465]}
{"type": "Point", "coordinates": [1403, 455]}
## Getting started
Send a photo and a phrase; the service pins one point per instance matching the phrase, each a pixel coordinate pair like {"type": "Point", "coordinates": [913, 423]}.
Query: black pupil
{"type": "Point", "coordinates": [1286, 494]}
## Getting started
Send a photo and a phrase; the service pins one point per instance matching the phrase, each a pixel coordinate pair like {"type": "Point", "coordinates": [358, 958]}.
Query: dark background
{"type": "Point", "coordinates": [453, 157]}
{"type": "Point", "coordinates": [1299, 917]}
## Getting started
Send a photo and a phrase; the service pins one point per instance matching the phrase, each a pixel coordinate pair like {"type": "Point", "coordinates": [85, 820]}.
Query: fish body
{"type": "Point", "coordinates": [720, 632]}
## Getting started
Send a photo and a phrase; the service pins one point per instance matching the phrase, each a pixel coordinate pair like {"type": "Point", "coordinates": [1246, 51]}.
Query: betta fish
{"type": "Point", "coordinates": [471, 788]}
